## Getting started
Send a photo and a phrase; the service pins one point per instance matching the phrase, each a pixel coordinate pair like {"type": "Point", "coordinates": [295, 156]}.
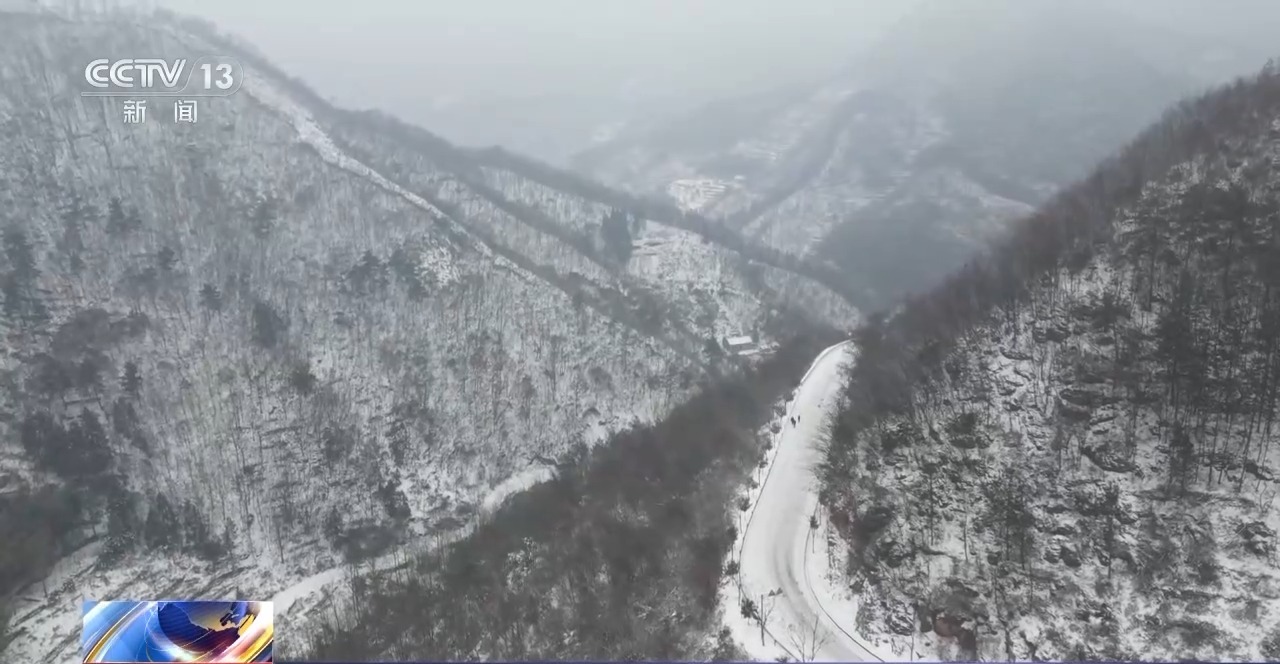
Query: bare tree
{"type": "Point", "coordinates": [808, 640]}
{"type": "Point", "coordinates": [766, 606]}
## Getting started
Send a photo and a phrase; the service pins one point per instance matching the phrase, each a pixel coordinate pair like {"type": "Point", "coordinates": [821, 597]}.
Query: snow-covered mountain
{"type": "Point", "coordinates": [1068, 450]}
{"type": "Point", "coordinates": [965, 116]}
{"type": "Point", "coordinates": [242, 351]}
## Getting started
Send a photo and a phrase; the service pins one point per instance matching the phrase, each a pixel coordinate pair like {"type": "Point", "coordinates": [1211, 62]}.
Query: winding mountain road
{"type": "Point", "coordinates": [776, 542]}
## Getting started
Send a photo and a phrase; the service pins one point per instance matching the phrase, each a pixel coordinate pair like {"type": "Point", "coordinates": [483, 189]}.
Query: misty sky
{"type": "Point", "coordinates": [540, 76]}
{"type": "Point", "coordinates": [527, 72]}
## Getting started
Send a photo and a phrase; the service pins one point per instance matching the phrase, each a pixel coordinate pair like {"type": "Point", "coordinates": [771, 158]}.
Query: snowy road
{"type": "Point", "coordinates": [779, 549]}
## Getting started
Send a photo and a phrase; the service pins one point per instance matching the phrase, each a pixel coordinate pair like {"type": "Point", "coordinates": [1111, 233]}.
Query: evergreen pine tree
{"type": "Point", "coordinates": [131, 380]}
{"type": "Point", "coordinates": [166, 259]}
{"type": "Point", "coordinates": [162, 529]}
{"type": "Point", "coordinates": [267, 325]}
{"type": "Point", "coordinates": [263, 218]}
{"type": "Point", "coordinates": [22, 303]}
{"type": "Point", "coordinates": [117, 225]}
{"type": "Point", "coordinates": [211, 298]}
{"type": "Point", "coordinates": [301, 378]}
{"type": "Point", "coordinates": [88, 452]}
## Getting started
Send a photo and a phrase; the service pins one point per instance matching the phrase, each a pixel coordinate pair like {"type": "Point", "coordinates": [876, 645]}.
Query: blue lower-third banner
{"type": "Point", "coordinates": [137, 632]}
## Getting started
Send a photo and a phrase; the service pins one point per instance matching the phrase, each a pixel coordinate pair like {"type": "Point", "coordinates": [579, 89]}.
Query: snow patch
{"type": "Point", "coordinates": [521, 481]}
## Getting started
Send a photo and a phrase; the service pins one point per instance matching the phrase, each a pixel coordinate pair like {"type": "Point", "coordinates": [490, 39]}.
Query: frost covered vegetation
{"type": "Point", "coordinates": [244, 352]}
{"type": "Point", "coordinates": [620, 557]}
{"type": "Point", "coordinates": [1069, 449]}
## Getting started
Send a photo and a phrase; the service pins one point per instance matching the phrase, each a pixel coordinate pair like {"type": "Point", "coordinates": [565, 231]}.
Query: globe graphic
{"type": "Point", "coordinates": [200, 635]}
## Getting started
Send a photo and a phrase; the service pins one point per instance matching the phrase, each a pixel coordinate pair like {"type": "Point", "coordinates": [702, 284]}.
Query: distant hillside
{"type": "Point", "coordinates": [1068, 450]}
{"type": "Point", "coordinates": [911, 161]}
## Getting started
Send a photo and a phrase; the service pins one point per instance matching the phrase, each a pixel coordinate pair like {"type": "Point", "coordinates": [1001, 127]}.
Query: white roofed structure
{"type": "Point", "coordinates": [740, 345]}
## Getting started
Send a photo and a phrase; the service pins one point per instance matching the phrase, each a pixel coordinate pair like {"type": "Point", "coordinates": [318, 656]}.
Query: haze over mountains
{"type": "Point", "coordinates": [962, 116]}
{"type": "Point", "coordinates": [547, 78]}
{"type": "Point", "coordinates": [331, 358]}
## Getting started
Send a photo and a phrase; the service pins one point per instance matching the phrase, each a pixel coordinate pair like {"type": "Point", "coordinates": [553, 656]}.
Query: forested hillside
{"type": "Point", "coordinates": [249, 351]}
{"type": "Point", "coordinates": [620, 557]}
{"type": "Point", "coordinates": [1069, 450]}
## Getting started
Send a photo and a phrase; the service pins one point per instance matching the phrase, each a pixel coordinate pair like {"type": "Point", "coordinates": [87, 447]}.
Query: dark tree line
{"type": "Point", "coordinates": [37, 524]}
{"type": "Point", "coordinates": [615, 230]}
{"type": "Point", "coordinates": [467, 164]}
{"type": "Point", "coordinates": [820, 145]}
{"type": "Point", "coordinates": [619, 557]}
{"type": "Point", "coordinates": [19, 283]}
{"type": "Point", "coordinates": [667, 213]}
{"type": "Point", "coordinates": [78, 452]}
{"type": "Point", "coordinates": [1206, 267]}
{"type": "Point", "coordinates": [182, 528]}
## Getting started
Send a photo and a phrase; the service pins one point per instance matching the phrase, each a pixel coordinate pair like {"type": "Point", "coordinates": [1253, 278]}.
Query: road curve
{"type": "Point", "coordinates": [776, 540]}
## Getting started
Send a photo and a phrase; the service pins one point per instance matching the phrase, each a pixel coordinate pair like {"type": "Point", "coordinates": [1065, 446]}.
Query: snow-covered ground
{"type": "Point", "coordinates": [521, 481]}
{"type": "Point", "coordinates": [698, 194]}
{"type": "Point", "coordinates": [783, 567]}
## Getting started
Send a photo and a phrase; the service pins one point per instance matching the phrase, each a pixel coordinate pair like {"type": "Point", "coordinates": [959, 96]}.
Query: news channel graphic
{"type": "Point", "coordinates": [206, 76]}
{"type": "Point", "coordinates": [134, 632]}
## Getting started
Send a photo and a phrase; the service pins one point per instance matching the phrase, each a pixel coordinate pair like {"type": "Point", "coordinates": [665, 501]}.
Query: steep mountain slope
{"type": "Point", "coordinates": [242, 351]}
{"type": "Point", "coordinates": [1068, 450]}
{"type": "Point", "coordinates": [902, 168]}
{"type": "Point", "coordinates": [619, 557]}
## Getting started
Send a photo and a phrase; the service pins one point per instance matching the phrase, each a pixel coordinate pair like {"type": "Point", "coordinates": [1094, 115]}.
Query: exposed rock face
{"type": "Point", "coordinates": [1123, 509]}
{"type": "Point", "coordinates": [1259, 538]}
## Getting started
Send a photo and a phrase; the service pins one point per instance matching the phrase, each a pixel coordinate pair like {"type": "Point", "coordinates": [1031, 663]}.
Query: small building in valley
{"type": "Point", "coordinates": [740, 345]}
